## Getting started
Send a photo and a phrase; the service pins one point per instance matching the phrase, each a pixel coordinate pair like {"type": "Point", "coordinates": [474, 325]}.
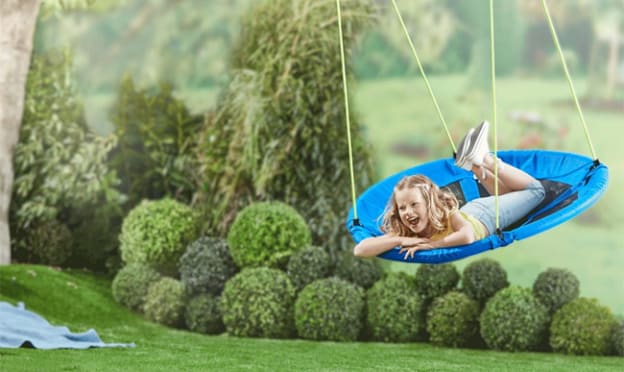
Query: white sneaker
{"type": "Point", "coordinates": [462, 149]}
{"type": "Point", "coordinates": [479, 144]}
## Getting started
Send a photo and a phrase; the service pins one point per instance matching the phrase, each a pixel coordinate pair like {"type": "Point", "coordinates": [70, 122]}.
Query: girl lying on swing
{"type": "Point", "coordinates": [421, 216]}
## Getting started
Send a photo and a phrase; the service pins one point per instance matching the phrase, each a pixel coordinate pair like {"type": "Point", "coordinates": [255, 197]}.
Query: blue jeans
{"type": "Point", "coordinates": [511, 206]}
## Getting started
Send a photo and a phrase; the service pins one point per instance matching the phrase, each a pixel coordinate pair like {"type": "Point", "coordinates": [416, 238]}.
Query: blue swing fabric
{"type": "Point", "coordinates": [587, 182]}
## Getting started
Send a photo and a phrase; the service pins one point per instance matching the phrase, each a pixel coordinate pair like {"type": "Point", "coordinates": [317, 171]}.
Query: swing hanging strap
{"type": "Point", "coordinates": [567, 73]}
{"type": "Point", "coordinates": [494, 121]}
{"type": "Point", "coordinates": [347, 119]}
{"type": "Point", "coordinates": [422, 72]}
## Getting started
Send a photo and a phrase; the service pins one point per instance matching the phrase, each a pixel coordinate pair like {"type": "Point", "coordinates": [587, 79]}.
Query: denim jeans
{"type": "Point", "coordinates": [511, 206]}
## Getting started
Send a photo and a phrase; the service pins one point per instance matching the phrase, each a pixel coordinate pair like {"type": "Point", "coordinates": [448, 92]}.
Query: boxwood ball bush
{"type": "Point", "coordinates": [556, 287]}
{"type": "Point", "coordinates": [48, 242]}
{"type": "Point", "coordinates": [330, 309]}
{"type": "Point", "coordinates": [203, 314]}
{"type": "Point", "coordinates": [436, 280]}
{"type": "Point", "coordinates": [206, 265]}
{"type": "Point", "coordinates": [618, 339]}
{"type": "Point", "coordinates": [164, 302]}
{"type": "Point", "coordinates": [308, 265]}
{"type": "Point", "coordinates": [514, 320]}
{"type": "Point", "coordinates": [131, 283]}
{"type": "Point", "coordinates": [394, 309]}
{"type": "Point", "coordinates": [481, 279]}
{"type": "Point", "coordinates": [266, 234]}
{"type": "Point", "coordinates": [258, 302]}
{"type": "Point", "coordinates": [157, 232]}
{"type": "Point", "coordinates": [582, 327]}
{"type": "Point", "coordinates": [453, 320]}
{"type": "Point", "coordinates": [361, 271]}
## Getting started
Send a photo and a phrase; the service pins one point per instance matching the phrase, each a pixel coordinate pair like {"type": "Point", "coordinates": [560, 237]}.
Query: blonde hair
{"type": "Point", "coordinates": [440, 205]}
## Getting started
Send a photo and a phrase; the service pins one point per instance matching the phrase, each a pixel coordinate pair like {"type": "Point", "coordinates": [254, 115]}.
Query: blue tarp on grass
{"type": "Point", "coordinates": [20, 327]}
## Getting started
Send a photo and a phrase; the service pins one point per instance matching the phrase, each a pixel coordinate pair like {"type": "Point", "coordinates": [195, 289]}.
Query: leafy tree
{"type": "Point", "coordinates": [277, 132]}
{"type": "Point", "coordinates": [60, 165]}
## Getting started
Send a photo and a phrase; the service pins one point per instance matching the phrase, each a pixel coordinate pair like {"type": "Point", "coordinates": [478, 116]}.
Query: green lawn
{"type": "Point", "coordinates": [80, 301]}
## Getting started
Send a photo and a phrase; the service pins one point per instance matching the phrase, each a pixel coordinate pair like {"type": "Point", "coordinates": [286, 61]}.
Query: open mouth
{"type": "Point", "coordinates": [413, 221]}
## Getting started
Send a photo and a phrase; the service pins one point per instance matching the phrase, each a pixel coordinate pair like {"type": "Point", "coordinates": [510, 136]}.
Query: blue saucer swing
{"type": "Point", "coordinates": [573, 182]}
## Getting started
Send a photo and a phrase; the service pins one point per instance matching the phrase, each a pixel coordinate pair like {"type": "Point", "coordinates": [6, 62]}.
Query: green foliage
{"type": "Point", "coordinates": [453, 320]}
{"type": "Point", "coordinates": [131, 284]}
{"type": "Point", "coordinates": [482, 278]}
{"type": "Point", "coordinates": [618, 339]}
{"type": "Point", "coordinates": [514, 320]}
{"type": "Point", "coordinates": [267, 234]}
{"type": "Point", "coordinates": [330, 309]}
{"type": "Point", "coordinates": [164, 302]}
{"type": "Point", "coordinates": [156, 233]}
{"type": "Point", "coordinates": [435, 280]}
{"type": "Point", "coordinates": [361, 271]}
{"type": "Point", "coordinates": [556, 287]}
{"type": "Point", "coordinates": [582, 327]}
{"type": "Point", "coordinates": [394, 309]}
{"type": "Point", "coordinates": [60, 166]}
{"type": "Point", "coordinates": [258, 302]}
{"type": "Point", "coordinates": [206, 265]}
{"type": "Point", "coordinates": [48, 242]}
{"type": "Point", "coordinates": [203, 314]}
{"type": "Point", "coordinates": [277, 131]}
{"type": "Point", "coordinates": [154, 157]}
{"type": "Point", "coordinates": [308, 265]}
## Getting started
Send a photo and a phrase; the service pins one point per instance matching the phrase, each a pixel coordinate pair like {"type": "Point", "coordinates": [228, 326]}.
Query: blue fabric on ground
{"type": "Point", "coordinates": [19, 327]}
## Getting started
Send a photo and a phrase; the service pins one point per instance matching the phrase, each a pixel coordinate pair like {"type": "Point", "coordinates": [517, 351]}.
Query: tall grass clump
{"type": "Point", "coordinates": [278, 129]}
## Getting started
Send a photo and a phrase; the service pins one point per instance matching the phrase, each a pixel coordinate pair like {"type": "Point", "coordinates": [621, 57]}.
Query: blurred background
{"type": "Point", "coordinates": [187, 43]}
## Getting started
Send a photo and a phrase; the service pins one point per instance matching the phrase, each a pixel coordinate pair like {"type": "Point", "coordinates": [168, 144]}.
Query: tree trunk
{"type": "Point", "coordinates": [17, 27]}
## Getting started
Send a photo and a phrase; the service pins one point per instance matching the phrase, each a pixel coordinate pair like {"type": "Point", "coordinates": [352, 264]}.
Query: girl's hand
{"type": "Point", "coordinates": [412, 245]}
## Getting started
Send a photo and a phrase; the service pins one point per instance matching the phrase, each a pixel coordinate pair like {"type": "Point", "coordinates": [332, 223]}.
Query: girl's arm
{"type": "Point", "coordinates": [373, 246]}
{"type": "Point", "coordinates": [463, 233]}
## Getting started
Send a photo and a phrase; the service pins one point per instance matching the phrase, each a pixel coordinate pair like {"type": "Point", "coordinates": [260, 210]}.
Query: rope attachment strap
{"type": "Point", "coordinates": [494, 121]}
{"type": "Point", "coordinates": [347, 118]}
{"type": "Point", "coordinates": [567, 74]}
{"type": "Point", "coordinates": [422, 72]}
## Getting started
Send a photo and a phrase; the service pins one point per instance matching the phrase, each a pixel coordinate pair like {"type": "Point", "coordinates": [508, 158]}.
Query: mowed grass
{"type": "Point", "coordinates": [81, 300]}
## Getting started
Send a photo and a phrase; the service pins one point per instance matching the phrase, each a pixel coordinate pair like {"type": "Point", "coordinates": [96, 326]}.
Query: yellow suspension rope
{"type": "Point", "coordinates": [493, 73]}
{"type": "Point", "coordinates": [422, 72]}
{"type": "Point", "coordinates": [346, 104]}
{"type": "Point", "coordinates": [567, 73]}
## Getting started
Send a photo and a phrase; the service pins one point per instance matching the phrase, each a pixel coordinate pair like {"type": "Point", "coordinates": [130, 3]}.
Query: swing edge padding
{"type": "Point", "coordinates": [571, 168]}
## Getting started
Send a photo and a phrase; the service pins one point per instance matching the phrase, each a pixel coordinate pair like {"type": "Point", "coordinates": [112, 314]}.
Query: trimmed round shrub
{"type": "Point", "coordinates": [156, 233]}
{"type": "Point", "coordinates": [203, 314]}
{"type": "Point", "coordinates": [582, 327]}
{"type": "Point", "coordinates": [361, 271]}
{"type": "Point", "coordinates": [514, 320]}
{"type": "Point", "coordinates": [267, 234]}
{"type": "Point", "coordinates": [308, 265]}
{"type": "Point", "coordinates": [131, 284]}
{"type": "Point", "coordinates": [483, 278]}
{"type": "Point", "coordinates": [618, 339]}
{"type": "Point", "coordinates": [258, 302]}
{"type": "Point", "coordinates": [49, 243]}
{"type": "Point", "coordinates": [206, 265]}
{"type": "Point", "coordinates": [556, 287]}
{"type": "Point", "coordinates": [394, 309]}
{"type": "Point", "coordinates": [164, 302]}
{"type": "Point", "coordinates": [330, 309]}
{"type": "Point", "coordinates": [435, 280]}
{"type": "Point", "coordinates": [453, 320]}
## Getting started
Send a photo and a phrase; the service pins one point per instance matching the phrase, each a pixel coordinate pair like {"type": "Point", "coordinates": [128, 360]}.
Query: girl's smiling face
{"type": "Point", "coordinates": [412, 208]}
